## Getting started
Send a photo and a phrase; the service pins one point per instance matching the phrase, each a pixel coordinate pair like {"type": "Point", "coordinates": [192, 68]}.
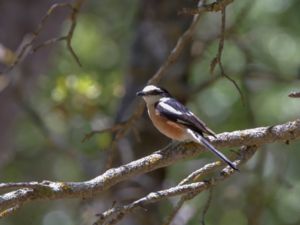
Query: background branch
{"type": "Point", "coordinates": [30, 46]}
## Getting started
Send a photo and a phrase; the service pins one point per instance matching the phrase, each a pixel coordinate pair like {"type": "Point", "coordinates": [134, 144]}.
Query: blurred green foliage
{"type": "Point", "coordinates": [74, 100]}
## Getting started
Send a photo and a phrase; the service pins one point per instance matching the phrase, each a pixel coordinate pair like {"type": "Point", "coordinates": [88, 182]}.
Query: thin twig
{"type": "Point", "coordinates": [112, 129]}
{"type": "Point", "coordinates": [36, 33]}
{"type": "Point", "coordinates": [124, 127]}
{"type": "Point", "coordinates": [218, 59]}
{"type": "Point", "coordinates": [175, 210]}
{"type": "Point", "coordinates": [182, 42]}
{"type": "Point", "coordinates": [9, 211]}
{"type": "Point", "coordinates": [68, 38]}
{"type": "Point", "coordinates": [193, 177]}
{"type": "Point", "coordinates": [206, 206]}
{"type": "Point", "coordinates": [48, 42]}
{"type": "Point", "coordinates": [196, 175]}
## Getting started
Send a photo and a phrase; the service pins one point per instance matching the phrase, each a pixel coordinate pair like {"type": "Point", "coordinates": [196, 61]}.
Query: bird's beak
{"type": "Point", "coordinates": [140, 93]}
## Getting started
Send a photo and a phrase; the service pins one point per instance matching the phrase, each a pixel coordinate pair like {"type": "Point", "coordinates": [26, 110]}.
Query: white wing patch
{"type": "Point", "coordinates": [170, 108]}
{"type": "Point", "coordinates": [165, 99]}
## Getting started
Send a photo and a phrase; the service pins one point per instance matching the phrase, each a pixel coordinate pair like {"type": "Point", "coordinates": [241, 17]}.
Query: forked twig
{"type": "Point", "coordinates": [217, 60]}
{"type": "Point", "coordinates": [29, 46]}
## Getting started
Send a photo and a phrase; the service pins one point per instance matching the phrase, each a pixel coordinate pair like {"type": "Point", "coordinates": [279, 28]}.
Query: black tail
{"type": "Point", "coordinates": [210, 147]}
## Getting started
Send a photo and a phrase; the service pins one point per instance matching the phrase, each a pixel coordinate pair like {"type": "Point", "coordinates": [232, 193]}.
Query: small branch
{"type": "Point", "coordinates": [176, 209]}
{"type": "Point", "coordinates": [68, 38]}
{"type": "Point", "coordinates": [171, 154]}
{"type": "Point", "coordinates": [122, 131]}
{"type": "Point", "coordinates": [194, 176]}
{"type": "Point", "coordinates": [117, 213]}
{"type": "Point", "coordinates": [112, 129]}
{"type": "Point", "coordinates": [48, 42]}
{"type": "Point", "coordinates": [197, 175]}
{"type": "Point", "coordinates": [36, 33]}
{"type": "Point", "coordinates": [218, 59]}
{"type": "Point", "coordinates": [183, 40]}
{"type": "Point", "coordinates": [9, 211]}
{"type": "Point", "coordinates": [206, 207]}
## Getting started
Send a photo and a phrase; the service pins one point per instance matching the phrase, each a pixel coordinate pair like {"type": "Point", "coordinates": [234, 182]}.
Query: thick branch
{"type": "Point", "coordinates": [172, 153]}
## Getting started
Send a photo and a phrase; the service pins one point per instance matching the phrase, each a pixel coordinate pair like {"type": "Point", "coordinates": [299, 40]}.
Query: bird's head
{"type": "Point", "coordinates": [152, 94]}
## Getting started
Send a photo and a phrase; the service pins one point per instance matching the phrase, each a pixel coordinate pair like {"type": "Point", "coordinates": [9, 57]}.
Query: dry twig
{"type": "Point", "coordinates": [30, 47]}
{"type": "Point", "coordinates": [206, 206]}
{"type": "Point", "coordinates": [218, 59]}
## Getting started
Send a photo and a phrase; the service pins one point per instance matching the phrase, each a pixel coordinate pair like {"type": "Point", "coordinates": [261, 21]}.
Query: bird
{"type": "Point", "coordinates": [176, 121]}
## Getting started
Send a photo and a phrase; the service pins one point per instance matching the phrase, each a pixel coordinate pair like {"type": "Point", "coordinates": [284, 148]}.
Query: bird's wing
{"type": "Point", "coordinates": [173, 110]}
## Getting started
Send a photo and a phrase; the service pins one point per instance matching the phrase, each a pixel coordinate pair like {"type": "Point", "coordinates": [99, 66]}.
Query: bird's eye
{"type": "Point", "coordinates": [155, 92]}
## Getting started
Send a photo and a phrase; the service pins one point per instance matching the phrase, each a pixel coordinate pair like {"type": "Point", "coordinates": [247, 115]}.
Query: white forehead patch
{"type": "Point", "coordinates": [150, 88]}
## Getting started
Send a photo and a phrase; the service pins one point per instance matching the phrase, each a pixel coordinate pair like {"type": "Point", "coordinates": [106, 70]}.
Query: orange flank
{"type": "Point", "coordinates": [171, 129]}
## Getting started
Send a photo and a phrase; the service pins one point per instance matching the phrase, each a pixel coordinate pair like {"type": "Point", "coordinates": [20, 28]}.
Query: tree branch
{"type": "Point", "coordinates": [30, 191]}
{"type": "Point", "coordinates": [30, 47]}
{"type": "Point", "coordinates": [190, 190]}
{"type": "Point", "coordinates": [218, 59]}
{"type": "Point", "coordinates": [194, 176]}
